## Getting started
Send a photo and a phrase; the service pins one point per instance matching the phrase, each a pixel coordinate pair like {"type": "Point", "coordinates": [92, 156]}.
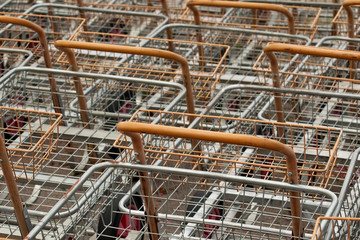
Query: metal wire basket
{"type": "Point", "coordinates": [106, 20]}
{"type": "Point", "coordinates": [346, 19]}
{"type": "Point", "coordinates": [132, 59]}
{"type": "Point", "coordinates": [339, 228]}
{"type": "Point", "coordinates": [245, 46]}
{"type": "Point", "coordinates": [186, 204]}
{"type": "Point", "coordinates": [36, 33]}
{"type": "Point", "coordinates": [331, 71]}
{"type": "Point", "coordinates": [315, 147]}
{"type": "Point", "coordinates": [29, 138]}
{"type": "Point", "coordinates": [257, 16]}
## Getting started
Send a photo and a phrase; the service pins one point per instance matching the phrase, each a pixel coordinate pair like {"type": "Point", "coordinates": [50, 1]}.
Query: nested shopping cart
{"type": "Point", "coordinates": [106, 20]}
{"type": "Point", "coordinates": [36, 33]}
{"type": "Point", "coordinates": [329, 9]}
{"type": "Point", "coordinates": [110, 99]}
{"type": "Point", "coordinates": [327, 70]}
{"type": "Point", "coordinates": [27, 138]}
{"type": "Point", "coordinates": [245, 46]}
{"type": "Point", "coordinates": [346, 19]}
{"type": "Point", "coordinates": [257, 16]}
{"type": "Point", "coordinates": [172, 9]}
{"type": "Point", "coordinates": [185, 204]}
{"type": "Point", "coordinates": [148, 58]}
{"type": "Point", "coordinates": [315, 147]}
{"type": "Point", "coordinates": [28, 141]}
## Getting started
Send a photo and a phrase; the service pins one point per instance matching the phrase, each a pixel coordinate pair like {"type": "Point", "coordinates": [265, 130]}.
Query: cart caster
{"type": "Point", "coordinates": [216, 213]}
{"type": "Point", "coordinates": [114, 225]}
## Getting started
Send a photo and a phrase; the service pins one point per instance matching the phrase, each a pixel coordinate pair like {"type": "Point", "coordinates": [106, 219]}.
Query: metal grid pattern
{"type": "Point", "coordinates": [334, 75]}
{"type": "Point", "coordinates": [315, 147]}
{"type": "Point", "coordinates": [36, 33]}
{"type": "Point", "coordinates": [107, 20]}
{"type": "Point", "coordinates": [205, 70]}
{"type": "Point", "coordinates": [245, 45]}
{"type": "Point", "coordinates": [230, 206]}
{"type": "Point", "coordinates": [346, 19]}
{"type": "Point", "coordinates": [257, 16]}
{"type": "Point", "coordinates": [28, 141]}
{"type": "Point", "coordinates": [340, 228]}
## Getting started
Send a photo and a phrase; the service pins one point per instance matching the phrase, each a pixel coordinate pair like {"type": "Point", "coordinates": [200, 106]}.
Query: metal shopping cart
{"type": "Point", "coordinates": [245, 46]}
{"type": "Point", "coordinates": [106, 20]}
{"type": "Point", "coordinates": [145, 58]}
{"type": "Point", "coordinates": [25, 146]}
{"type": "Point", "coordinates": [257, 16]}
{"type": "Point", "coordinates": [28, 88]}
{"type": "Point", "coordinates": [36, 33]}
{"type": "Point", "coordinates": [346, 19]}
{"type": "Point", "coordinates": [315, 147]}
{"type": "Point", "coordinates": [329, 9]}
{"type": "Point", "coordinates": [185, 204]}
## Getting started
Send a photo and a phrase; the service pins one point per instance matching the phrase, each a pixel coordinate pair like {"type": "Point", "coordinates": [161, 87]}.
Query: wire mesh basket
{"type": "Point", "coordinates": [182, 205]}
{"type": "Point", "coordinates": [315, 147]}
{"type": "Point", "coordinates": [257, 16]}
{"type": "Point", "coordinates": [19, 6]}
{"type": "Point", "coordinates": [346, 19]}
{"type": "Point", "coordinates": [330, 71]}
{"type": "Point", "coordinates": [36, 33]}
{"type": "Point", "coordinates": [172, 9]}
{"type": "Point", "coordinates": [202, 72]}
{"type": "Point", "coordinates": [245, 46]}
{"type": "Point", "coordinates": [339, 228]}
{"type": "Point", "coordinates": [106, 19]}
{"type": "Point", "coordinates": [29, 138]}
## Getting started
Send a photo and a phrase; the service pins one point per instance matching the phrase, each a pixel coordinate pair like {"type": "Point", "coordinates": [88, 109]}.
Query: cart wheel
{"type": "Point", "coordinates": [115, 225]}
{"type": "Point", "coordinates": [216, 213]}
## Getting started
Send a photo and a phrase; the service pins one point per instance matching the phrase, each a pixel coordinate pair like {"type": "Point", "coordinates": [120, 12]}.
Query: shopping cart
{"type": "Point", "coordinates": [256, 16]}
{"type": "Point", "coordinates": [27, 138]}
{"type": "Point", "coordinates": [315, 147]}
{"type": "Point", "coordinates": [57, 174]}
{"type": "Point", "coordinates": [187, 205]}
{"type": "Point", "coordinates": [145, 58]}
{"type": "Point", "coordinates": [346, 19]}
{"type": "Point", "coordinates": [320, 69]}
{"type": "Point", "coordinates": [329, 9]}
{"type": "Point", "coordinates": [28, 141]}
{"type": "Point", "coordinates": [106, 20]}
{"type": "Point", "coordinates": [172, 9]}
{"type": "Point", "coordinates": [245, 46]}
{"type": "Point", "coordinates": [36, 33]}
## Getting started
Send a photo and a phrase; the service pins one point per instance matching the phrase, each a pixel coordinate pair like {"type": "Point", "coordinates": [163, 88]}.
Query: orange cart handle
{"type": "Point", "coordinates": [230, 4]}
{"type": "Point", "coordinates": [65, 45]}
{"type": "Point", "coordinates": [312, 51]}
